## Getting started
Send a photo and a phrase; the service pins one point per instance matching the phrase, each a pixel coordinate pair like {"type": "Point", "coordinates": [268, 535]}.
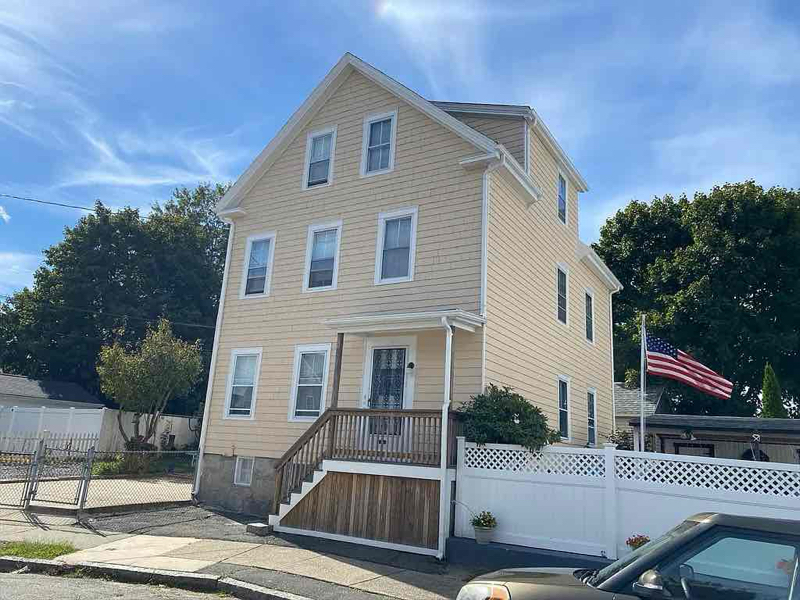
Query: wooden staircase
{"type": "Point", "coordinates": [404, 437]}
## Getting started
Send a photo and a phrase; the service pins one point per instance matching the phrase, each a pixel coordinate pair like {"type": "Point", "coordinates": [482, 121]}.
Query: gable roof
{"type": "Point", "coordinates": [335, 77]}
{"type": "Point", "coordinates": [627, 400]}
{"type": "Point", "coordinates": [526, 112]}
{"type": "Point", "coordinates": [23, 387]}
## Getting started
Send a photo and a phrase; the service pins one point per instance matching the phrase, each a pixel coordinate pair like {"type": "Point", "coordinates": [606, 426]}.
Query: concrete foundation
{"type": "Point", "coordinates": [217, 489]}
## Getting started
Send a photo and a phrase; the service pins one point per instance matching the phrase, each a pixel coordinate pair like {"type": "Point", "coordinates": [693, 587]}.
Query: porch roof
{"type": "Point", "coordinates": [373, 323]}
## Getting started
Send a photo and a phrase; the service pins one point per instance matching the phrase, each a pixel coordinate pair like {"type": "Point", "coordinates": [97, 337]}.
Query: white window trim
{"type": "Point", "coordinates": [593, 392]}
{"type": "Point", "coordinates": [588, 292]}
{"type": "Point", "coordinates": [412, 251]}
{"type": "Point", "coordinates": [266, 235]}
{"type": "Point", "coordinates": [312, 229]}
{"type": "Point", "coordinates": [566, 379]}
{"type": "Point", "coordinates": [307, 163]}
{"type": "Point", "coordinates": [369, 120]}
{"type": "Point", "coordinates": [565, 222]}
{"type": "Point", "coordinates": [409, 342]}
{"type": "Point", "coordinates": [562, 267]}
{"type": "Point", "coordinates": [229, 384]}
{"type": "Point", "coordinates": [236, 471]}
{"type": "Point", "coordinates": [323, 399]}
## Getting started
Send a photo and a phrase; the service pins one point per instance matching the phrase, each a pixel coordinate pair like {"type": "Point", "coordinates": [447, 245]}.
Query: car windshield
{"type": "Point", "coordinates": [650, 546]}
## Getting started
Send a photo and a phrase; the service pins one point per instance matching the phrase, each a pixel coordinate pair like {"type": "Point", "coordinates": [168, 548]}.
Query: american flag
{"type": "Point", "coordinates": [666, 360]}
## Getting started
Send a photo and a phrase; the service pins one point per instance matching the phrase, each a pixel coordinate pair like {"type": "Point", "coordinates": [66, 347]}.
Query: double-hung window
{"type": "Point", "coordinates": [561, 294]}
{"type": "Point", "coordinates": [322, 257]}
{"type": "Point", "coordinates": [378, 144]}
{"type": "Point", "coordinates": [563, 407]}
{"type": "Point", "coordinates": [562, 199]}
{"type": "Point", "coordinates": [397, 232]}
{"type": "Point", "coordinates": [309, 381]}
{"type": "Point", "coordinates": [320, 148]}
{"type": "Point", "coordinates": [591, 417]}
{"type": "Point", "coordinates": [242, 383]}
{"type": "Point", "coordinates": [258, 265]}
{"type": "Point", "coordinates": [589, 317]}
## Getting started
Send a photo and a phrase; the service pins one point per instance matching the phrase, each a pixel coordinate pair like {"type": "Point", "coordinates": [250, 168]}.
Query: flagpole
{"type": "Point", "coordinates": [642, 384]}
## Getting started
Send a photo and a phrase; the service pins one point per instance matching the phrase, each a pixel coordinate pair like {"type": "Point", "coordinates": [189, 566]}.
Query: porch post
{"type": "Point", "coordinates": [337, 370]}
{"type": "Point", "coordinates": [444, 492]}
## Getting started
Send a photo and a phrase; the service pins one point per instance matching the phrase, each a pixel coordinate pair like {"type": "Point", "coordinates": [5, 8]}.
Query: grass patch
{"type": "Point", "coordinates": [35, 549]}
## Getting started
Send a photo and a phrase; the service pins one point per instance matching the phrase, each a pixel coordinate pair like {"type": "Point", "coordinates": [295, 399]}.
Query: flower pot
{"type": "Point", "coordinates": [483, 535]}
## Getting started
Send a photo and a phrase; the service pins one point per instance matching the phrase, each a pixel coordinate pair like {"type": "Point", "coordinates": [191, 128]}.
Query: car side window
{"type": "Point", "coordinates": [746, 567]}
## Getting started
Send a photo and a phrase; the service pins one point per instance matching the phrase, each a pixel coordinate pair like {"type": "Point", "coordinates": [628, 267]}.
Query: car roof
{"type": "Point", "coordinates": [744, 522]}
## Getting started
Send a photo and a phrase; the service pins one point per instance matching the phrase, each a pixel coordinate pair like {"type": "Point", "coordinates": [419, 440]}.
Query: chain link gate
{"type": "Point", "coordinates": [15, 478]}
{"type": "Point", "coordinates": [59, 476]}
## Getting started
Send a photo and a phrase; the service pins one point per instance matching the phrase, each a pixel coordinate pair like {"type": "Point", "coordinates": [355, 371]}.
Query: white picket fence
{"type": "Point", "coordinates": [590, 501]}
{"type": "Point", "coordinates": [23, 443]}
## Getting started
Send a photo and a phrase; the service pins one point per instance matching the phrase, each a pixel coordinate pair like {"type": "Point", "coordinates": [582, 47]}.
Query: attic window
{"type": "Point", "coordinates": [320, 147]}
{"type": "Point", "coordinates": [378, 144]}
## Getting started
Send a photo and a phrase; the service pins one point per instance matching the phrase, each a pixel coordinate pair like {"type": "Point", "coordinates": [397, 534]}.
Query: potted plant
{"type": "Point", "coordinates": [636, 541]}
{"type": "Point", "coordinates": [484, 524]}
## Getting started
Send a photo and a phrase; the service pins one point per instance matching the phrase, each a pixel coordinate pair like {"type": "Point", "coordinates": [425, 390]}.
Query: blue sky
{"type": "Point", "coordinates": [124, 101]}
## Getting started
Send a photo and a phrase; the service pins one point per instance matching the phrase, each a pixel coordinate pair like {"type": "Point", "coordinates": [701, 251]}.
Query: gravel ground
{"type": "Point", "coordinates": [32, 587]}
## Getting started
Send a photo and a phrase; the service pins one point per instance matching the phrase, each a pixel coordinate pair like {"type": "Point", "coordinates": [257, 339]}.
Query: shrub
{"type": "Point", "coordinates": [484, 519]}
{"type": "Point", "coordinates": [500, 416]}
{"type": "Point", "coordinates": [107, 467]}
{"type": "Point", "coordinates": [771, 402]}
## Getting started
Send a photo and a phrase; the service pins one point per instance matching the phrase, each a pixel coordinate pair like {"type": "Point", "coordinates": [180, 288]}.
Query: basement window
{"type": "Point", "coordinates": [243, 473]}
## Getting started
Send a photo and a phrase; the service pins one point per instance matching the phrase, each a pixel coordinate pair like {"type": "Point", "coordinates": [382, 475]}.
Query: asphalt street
{"type": "Point", "coordinates": [36, 587]}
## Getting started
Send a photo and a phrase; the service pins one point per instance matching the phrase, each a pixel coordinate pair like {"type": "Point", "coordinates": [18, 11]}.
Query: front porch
{"type": "Point", "coordinates": [377, 472]}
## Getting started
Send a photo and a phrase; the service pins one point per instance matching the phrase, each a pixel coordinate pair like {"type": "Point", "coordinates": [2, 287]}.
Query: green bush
{"type": "Point", "coordinates": [500, 416]}
{"type": "Point", "coordinates": [108, 467]}
{"type": "Point", "coordinates": [771, 401]}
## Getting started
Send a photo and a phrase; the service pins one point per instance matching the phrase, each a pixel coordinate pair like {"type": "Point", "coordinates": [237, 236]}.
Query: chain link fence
{"type": "Point", "coordinates": [53, 477]}
{"type": "Point", "coordinates": [140, 477]}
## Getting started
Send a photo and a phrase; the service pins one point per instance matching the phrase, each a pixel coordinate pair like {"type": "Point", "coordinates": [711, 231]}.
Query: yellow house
{"type": "Point", "coordinates": [389, 257]}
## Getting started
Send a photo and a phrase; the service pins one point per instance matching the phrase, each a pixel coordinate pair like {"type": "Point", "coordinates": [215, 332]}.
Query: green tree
{"type": "Point", "coordinates": [722, 281]}
{"type": "Point", "coordinates": [143, 378]}
{"type": "Point", "coordinates": [771, 402]}
{"type": "Point", "coordinates": [119, 269]}
{"type": "Point", "coordinates": [500, 416]}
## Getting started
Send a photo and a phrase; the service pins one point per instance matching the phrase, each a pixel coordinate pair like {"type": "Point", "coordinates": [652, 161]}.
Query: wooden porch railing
{"type": "Point", "coordinates": [408, 437]}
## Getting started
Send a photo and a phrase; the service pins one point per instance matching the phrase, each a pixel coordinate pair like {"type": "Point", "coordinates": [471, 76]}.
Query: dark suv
{"type": "Point", "coordinates": [710, 556]}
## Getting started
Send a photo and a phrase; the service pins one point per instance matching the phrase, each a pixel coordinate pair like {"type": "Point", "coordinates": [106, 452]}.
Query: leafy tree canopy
{"type": "Point", "coordinates": [719, 276]}
{"type": "Point", "coordinates": [500, 416]}
{"type": "Point", "coordinates": [143, 378]}
{"type": "Point", "coordinates": [119, 269]}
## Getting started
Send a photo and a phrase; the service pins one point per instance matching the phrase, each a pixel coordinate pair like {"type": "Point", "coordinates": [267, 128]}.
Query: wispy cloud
{"type": "Point", "coordinates": [16, 270]}
{"type": "Point", "coordinates": [48, 98]}
{"type": "Point", "coordinates": [4, 216]}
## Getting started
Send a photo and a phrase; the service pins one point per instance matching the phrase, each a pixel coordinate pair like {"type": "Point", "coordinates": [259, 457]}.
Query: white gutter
{"type": "Point", "coordinates": [213, 362]}
{"type": "Point", "coordinates": [444, 492]}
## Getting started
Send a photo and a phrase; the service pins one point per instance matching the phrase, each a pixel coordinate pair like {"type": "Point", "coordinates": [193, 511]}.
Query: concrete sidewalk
{"type": "Point", "coordinates": [307, 572]}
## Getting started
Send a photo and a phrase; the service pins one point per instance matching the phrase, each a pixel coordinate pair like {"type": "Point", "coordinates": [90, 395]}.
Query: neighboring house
{"type": "Point", "coordinates": [16, 390]}
{"type": "Point", "coordinates": [626, 404]}
{"type": "Point", "coordinates": [388, 255]}
{"type": "Point", "coordinates": [724, 437]}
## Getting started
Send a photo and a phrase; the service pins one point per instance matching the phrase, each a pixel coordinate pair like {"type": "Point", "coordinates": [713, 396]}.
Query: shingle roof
{"type": "Point", "coordinates": [627, 400]}
{"type": "Point", "coordinates": [16, 385]}
{"type": "Point", "coordinates": [747, 424]}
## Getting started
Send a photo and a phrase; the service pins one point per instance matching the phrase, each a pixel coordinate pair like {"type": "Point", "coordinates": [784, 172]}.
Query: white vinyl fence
{"type": "Point", "coordinates": [590, 501]}
{"type": "Point", "coordinates": [26, 425]}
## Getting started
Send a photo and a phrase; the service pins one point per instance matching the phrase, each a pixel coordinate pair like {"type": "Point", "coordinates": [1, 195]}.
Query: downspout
{"type": "Point", "coordinates": [444, 492]}
{"type": "Point", "coordinates": [212, 366]}
{"type": "Point", "coordinates": [611, 346]}
{"type": "Point", "coordinates": [493, 165]}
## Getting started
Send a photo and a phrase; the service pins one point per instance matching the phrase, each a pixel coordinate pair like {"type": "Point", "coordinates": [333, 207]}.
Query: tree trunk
{"type": "Point", "coordinates": [121, 429]}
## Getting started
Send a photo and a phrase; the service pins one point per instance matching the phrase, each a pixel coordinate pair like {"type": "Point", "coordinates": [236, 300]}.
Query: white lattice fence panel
{"type": "Point", "coordinates": [728, 478]}
{"type": "Point", "coordinates": [524, 461]}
